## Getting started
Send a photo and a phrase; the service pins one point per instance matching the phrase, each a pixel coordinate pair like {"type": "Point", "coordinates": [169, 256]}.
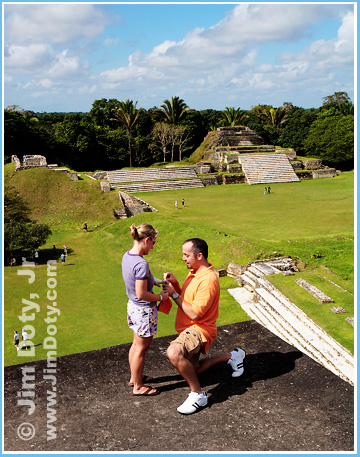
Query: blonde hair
{"type": "Point", "coordinates": [142, 231]}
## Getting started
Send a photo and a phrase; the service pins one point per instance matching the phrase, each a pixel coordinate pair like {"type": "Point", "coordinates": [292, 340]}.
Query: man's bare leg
{"type": "Point", "coordinates": [184, 367]}
{"type": "Point", "coordinates": [209, 362]}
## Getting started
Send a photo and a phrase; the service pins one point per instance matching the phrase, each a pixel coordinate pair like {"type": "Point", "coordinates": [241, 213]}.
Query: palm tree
{"type": "Point", "coordinates": [172, 111]}
{"type": "Point", "coordinates": [128, 115]}
{"type": "Point", "coordinates": [232, 116]}
{"type": "Point", "coordinates": [346, 108]}
{"type": "Point", "coordinates": [272, 116]}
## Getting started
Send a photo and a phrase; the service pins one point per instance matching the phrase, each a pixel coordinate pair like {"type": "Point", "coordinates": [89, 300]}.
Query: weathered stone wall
{"type": "Point", "coordinates": [314, 291]}
{"type": "Point", "coordinates": [233, 179]}
{"type": "Point", "coordinates": [238, 135]}
{"type": "Point", "coordinates": [210, 181]}
{"type": "Point", "coordinates": [325, 173]}
{"type": "Point", "coordinates": [234, 168]}
{"type": "Point", "coordinates": [220, 167]}
{"type": "Point", "coordinates": [100, 175]}
{"type": "Point", "coordinates": [120, 213]}
{"type": "Point", "coordinates": [73, 176]}
{"type": "Point", "coordinates": [312, 164]}
{"type": "Point", "coordinates": [105, 186]}
{"type": "Point", "coordinates": [230, 158]}
{"type": "Point", "coordinates": [203, 167]}
{"type": "Point", "coordinates": [133, 205]}
{"type": "Point", "coordinates": [34, 161]}
{"type": "Point", "coordinates": [290, 153]}
{"type": "Point", "coordinates": [302, 174]}
{"type": "Point", "coordinates": [61, 170]}
{"type": "Point", "coordinates": [234, 270]}
{"type": "Point", "coordinates": [16, 161]}
{"type": "Point", "coordinates": [297, 165]}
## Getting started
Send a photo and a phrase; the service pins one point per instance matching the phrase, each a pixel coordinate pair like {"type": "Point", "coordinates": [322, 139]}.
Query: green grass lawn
{"type": "Point", "coordinates": [332, 323]}
{"type": "Point", "coordinates": [311, 220]}
{"type": "Point", "coordinates": [53, 199]}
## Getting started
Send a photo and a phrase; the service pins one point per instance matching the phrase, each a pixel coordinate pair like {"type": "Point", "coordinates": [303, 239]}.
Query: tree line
{"type": "Point", "coordinates": [117, 134]}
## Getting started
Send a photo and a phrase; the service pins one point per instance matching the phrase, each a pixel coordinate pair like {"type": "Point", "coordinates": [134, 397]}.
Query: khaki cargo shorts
{"type": "Point", "coordinates": [191, 344]}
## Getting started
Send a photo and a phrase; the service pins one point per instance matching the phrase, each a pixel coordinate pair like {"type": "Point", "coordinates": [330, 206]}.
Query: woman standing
{"type": "Point", "coordinates": [141, 307]}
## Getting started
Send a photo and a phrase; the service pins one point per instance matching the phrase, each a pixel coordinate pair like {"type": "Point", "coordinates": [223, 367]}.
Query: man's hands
{"type": "Point", "coordinates": [169, 288]}
{"type": "Point", "coordinates": [171, 284]}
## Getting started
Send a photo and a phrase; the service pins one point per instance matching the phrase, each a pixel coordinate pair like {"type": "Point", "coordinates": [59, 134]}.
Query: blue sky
{"type": "Point", "coordinates": [63, 57]}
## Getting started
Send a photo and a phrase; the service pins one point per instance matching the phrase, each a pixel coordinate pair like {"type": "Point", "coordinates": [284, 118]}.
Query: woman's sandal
{"type": "Point", "coordinates": [146, 393]}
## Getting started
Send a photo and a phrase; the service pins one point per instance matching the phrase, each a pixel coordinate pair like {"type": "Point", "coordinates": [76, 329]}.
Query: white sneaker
{"type": "Point", "coordinates": [237, 362]}
{"type": "Point", "coordinates": [193, 402]}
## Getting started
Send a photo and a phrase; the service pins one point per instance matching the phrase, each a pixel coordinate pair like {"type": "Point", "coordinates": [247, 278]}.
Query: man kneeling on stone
{"type": "Point", "coordinates": [198, 309]}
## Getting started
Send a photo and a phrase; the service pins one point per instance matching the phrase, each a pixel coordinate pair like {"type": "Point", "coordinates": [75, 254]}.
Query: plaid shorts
{"type": "Point", "coordinates": [191, 344]}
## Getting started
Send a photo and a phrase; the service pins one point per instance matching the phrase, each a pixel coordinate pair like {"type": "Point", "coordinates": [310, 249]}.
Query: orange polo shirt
{"type": "Point", "coordinates": [202, 291]}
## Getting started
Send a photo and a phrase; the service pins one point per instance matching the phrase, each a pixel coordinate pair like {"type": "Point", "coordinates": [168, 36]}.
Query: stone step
{"type": "Point", "coordinates": [150, 174]}
{"type": "Point", "coordinates": [302, 316]}
{"type": "Point", "coordinates": [274, 311]}
{"type": "Point", "coordinates": [265, 315]}
{"type": "Point", "coordinates": [244, 149]}
{"type": "Point", "coordinates": [246, 282]}
{"type": "Point", "coordinates": [160, 185]}
{"type": "Point", "coordinates": [250, 279]}
{"type": "Point", "coordinates": [255, 271]}
{"type": "Point", "coordinates": [263, 269]}
{"type": "Point", "coordinates": [267, 168]}
{"type": "Point", "coordinates": [306, 335]}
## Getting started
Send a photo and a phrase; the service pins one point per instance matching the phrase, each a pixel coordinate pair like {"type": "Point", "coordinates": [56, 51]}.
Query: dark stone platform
{"type": "Point", "coordinates": [284, 401]}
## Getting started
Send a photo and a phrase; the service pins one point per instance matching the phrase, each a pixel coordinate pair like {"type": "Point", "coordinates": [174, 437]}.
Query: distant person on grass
{"type": "Point", "coordinates": [141, 306]}
{"type": "Point", "coordinates": [25, 338]}
{"type": "Point", "coordinates": [63, 258]}
{"type": "Point", "coordinates": [16, 340]}
{"type": "Point", "coordinates": [198, 309]}
{"type": "Point", "coordinates": [85, 227]}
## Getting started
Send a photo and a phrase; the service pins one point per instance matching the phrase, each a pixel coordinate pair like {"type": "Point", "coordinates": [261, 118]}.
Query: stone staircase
{"type": "Point", "coordinates": [150, 174]}
{"type": "Point", "coordinates": [268, 306]}
{"type": "Point", "coordinates": [239, 135]}
{"type": "Point", "coordinates": [160, 185]}
{"type": "Point", "coordinates": [267, 168]}
{"type": "Point", "coordinates": [247, 149]}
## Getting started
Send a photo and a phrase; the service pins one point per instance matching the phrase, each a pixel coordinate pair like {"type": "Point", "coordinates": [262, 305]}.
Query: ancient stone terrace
{"type": "Point", "coordinates": [267, 168]}
{"type": "Point", "coordinates": [150, 174]}
{"type": "Point", "coordinates": [238, 135]}
{"type": "Point", "coordinates": [267, 305]}
{"type": "Point", "coordinates": [154, 179]}
{"type": "Point", "coordinates": [160, 185]}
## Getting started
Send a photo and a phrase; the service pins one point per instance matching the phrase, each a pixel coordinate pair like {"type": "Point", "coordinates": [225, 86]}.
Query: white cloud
{"type": "Point", "coordinates": [64, 66]}
{"type": "Point", "coordinates": [214, 65]}
{"type": "Point", "coordinates": [25, 58]}
{"type": "Point", "coordinates": [55, 23]}
{"type": "Point", "coordinates": [231, 43]}
{"type": "Point", "coordinates": [47, 83]}
{"type": "Point", "coordinates": [109, 42]}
